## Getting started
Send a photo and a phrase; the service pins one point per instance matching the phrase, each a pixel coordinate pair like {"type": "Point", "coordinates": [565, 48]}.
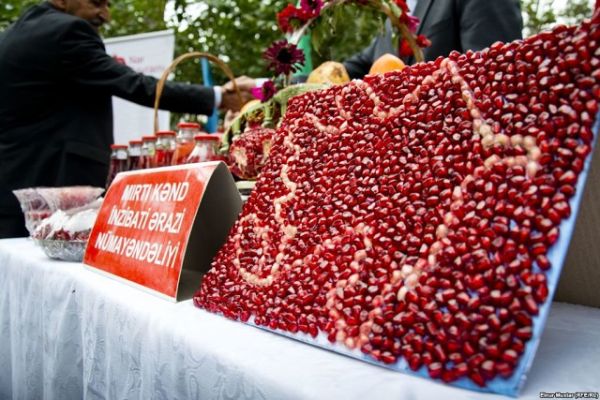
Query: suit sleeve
{"type": "Point", "coordinates": [86, 64]}
{"type": "Point", "coordinates": [359, 64]}
{"type": "Point", "coordinates": [483, 22]}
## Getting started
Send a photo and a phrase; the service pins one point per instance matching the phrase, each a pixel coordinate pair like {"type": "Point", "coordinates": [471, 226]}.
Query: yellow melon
{"type": "Point", "coordinates": [329, 72]}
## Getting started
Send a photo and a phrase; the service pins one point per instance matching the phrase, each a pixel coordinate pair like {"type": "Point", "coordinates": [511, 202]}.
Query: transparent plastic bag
{"type": "Point", "coordinates": [64, 234]}
{"type": "Point", "coordinates": [40, 203]}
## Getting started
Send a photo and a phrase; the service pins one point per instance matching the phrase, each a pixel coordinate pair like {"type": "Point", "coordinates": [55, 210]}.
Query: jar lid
{"type": "Point", "coordinates": [135, 142]}
{"type": "Point", "coordinates": [193, 125]}
{"type": "Point", "coordinates": [166, 133]}
{"type": "Point", "coordinates": [118, 147]}
{"type": "Point", "coordinates": [150, 138]}
{"type": "Point", "coordinates": [207, 136]}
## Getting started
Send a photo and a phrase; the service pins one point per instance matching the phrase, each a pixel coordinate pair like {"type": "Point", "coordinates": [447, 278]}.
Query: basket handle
{"type": "Point", "coordinates": [196, 54]}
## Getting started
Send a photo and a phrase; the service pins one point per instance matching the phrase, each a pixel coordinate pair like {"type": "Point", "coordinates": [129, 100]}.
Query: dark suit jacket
{"type": "Point", "coordinates": [56, 83]}
{"type": "Point", "coordinates": [450, 25]}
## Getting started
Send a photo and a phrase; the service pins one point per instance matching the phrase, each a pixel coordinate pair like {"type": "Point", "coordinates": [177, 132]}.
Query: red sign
{"type": "Point", "coordinates": [143, 230]}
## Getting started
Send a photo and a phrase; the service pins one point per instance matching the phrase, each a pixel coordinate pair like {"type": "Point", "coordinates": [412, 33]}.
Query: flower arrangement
{"type": "Point", "coordinates": [284, 57]}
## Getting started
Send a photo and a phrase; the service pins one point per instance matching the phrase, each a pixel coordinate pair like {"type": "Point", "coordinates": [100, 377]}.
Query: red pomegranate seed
{"type": "Point", "coordinates": [435, 370]}
{"type": "Point", "coordinates": [504, 369]}
{"type": "Point", "coordinates": [522, 318]}
{"type": "Point", "coordinates": [415, 362]}
{"type": "Point", "coordinates": [543, 262]}
{"type": "Point", "coordinates": [488, 368]}
{"type": "Point", "coordinates": [510, 356]}
{"type": "Point", "coordinates": [477, 378]}
{"type": "Point", "coordinates": [524, 333]}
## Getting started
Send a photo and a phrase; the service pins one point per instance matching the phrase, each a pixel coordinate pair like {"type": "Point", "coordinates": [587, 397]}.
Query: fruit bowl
{"type": "Point", "coordinates": [65, 250]}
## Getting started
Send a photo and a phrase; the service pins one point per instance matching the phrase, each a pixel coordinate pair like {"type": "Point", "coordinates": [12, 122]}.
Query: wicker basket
{"type": "Point", "coordinates": [193, 55]}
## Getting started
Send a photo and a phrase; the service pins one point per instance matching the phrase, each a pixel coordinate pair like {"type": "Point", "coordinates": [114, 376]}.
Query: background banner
{"type": "Point", "coordinates": [148, 53]}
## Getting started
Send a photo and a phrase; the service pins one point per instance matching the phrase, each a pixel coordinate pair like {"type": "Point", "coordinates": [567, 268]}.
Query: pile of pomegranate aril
{"type": "Point", "coordinates": [410, 215]}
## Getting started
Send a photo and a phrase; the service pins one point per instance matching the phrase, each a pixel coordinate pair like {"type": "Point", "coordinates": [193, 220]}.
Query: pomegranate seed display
{"type": "Point", "coordinates": [411, 216]}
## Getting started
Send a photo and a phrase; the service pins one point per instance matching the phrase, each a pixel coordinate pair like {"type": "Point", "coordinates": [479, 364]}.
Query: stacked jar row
{"type": "Point", "coordinates": [165, 148]}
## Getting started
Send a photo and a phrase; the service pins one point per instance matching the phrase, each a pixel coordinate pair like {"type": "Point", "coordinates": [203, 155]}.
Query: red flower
{"type": "Point", "coordinates": [411, 22]}
{"type": "Point", "coordinates": [311, 7]}
{"type": "Point", "coordinates": [404, 49]}
{"type": "Point", "coordinates": [265, 92]}
{"type": "Point", "coordinates": [291, 18]}
{"type": "Point", "coordinates": [423, 42]}
{"type": "Point", "coordinates": [284, 57]}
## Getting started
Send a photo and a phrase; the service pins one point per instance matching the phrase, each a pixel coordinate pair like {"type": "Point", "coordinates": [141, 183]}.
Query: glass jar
{"type": "Point", "coordinates": [165, 148]}
{"type": "Point", "coordinates": [185, 141]}
{"type": "Point", "coordinates": [135, 155]}
{"type": "Point", "coordinates": [205, 149]}
{"type": "Point", "coordinates": [118, 161]}
{"type": "Point", "coordinates": [148, 151]}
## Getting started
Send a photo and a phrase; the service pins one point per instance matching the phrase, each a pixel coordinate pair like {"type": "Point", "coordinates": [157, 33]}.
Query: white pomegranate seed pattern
{"type": "Point", "coordinates": [410, 215]}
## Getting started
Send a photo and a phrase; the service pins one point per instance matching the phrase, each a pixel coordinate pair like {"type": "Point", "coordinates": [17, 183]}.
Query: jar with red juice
{"type": "Point", "coordinates": [185, 141]}
{"type": "Point", "coordinates": [165, 148]}
{"type": "Point", "coordinates": [118, 162]}
{"type": "Point", "coordinates": [205, 149]}
{"type": "Point", "coordinates": [135, 155]}
{"type": "Point", "coordinates": [148, 151]}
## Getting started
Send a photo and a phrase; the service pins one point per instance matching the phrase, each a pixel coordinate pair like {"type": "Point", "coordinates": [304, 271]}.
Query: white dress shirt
{"type": "Point", "coordinates": [411, 6]}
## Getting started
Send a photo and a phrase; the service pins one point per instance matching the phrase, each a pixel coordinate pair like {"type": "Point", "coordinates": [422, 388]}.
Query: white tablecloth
{"type": "Point", "coordinates": [68, 333]}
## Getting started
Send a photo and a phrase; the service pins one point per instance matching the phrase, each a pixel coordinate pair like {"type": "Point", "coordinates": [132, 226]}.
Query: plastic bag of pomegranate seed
{"type": "Point", "coordinates": [419, 220]}
{"type": "Point", "coordinates": [64, 234]}
{"type": "Point", "coordinates": [41, 202]}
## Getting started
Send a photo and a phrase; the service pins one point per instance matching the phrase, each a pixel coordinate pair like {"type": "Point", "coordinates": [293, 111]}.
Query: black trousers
{"type": "Point", "coordinates": [12, 225]}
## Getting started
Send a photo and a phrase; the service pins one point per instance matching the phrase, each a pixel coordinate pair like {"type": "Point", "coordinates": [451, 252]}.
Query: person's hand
{"type": "Point", "coordinates": [244, 84]}
{"type": "Point", "coordinates": [230, 100]}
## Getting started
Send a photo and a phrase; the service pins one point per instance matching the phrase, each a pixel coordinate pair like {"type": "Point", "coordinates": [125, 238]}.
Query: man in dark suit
{"type": "Point", "coordinates": [56, 83]}
{"type": "Point", "coordinates": [450, 25]}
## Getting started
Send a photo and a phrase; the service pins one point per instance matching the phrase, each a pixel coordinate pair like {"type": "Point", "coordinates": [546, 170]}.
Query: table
{"type": "Point", "coordinates": [69, 333]}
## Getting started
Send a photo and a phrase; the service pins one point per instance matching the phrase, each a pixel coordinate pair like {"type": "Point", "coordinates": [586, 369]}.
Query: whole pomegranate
{"type": "Point", "coordinates": [249, 152]}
